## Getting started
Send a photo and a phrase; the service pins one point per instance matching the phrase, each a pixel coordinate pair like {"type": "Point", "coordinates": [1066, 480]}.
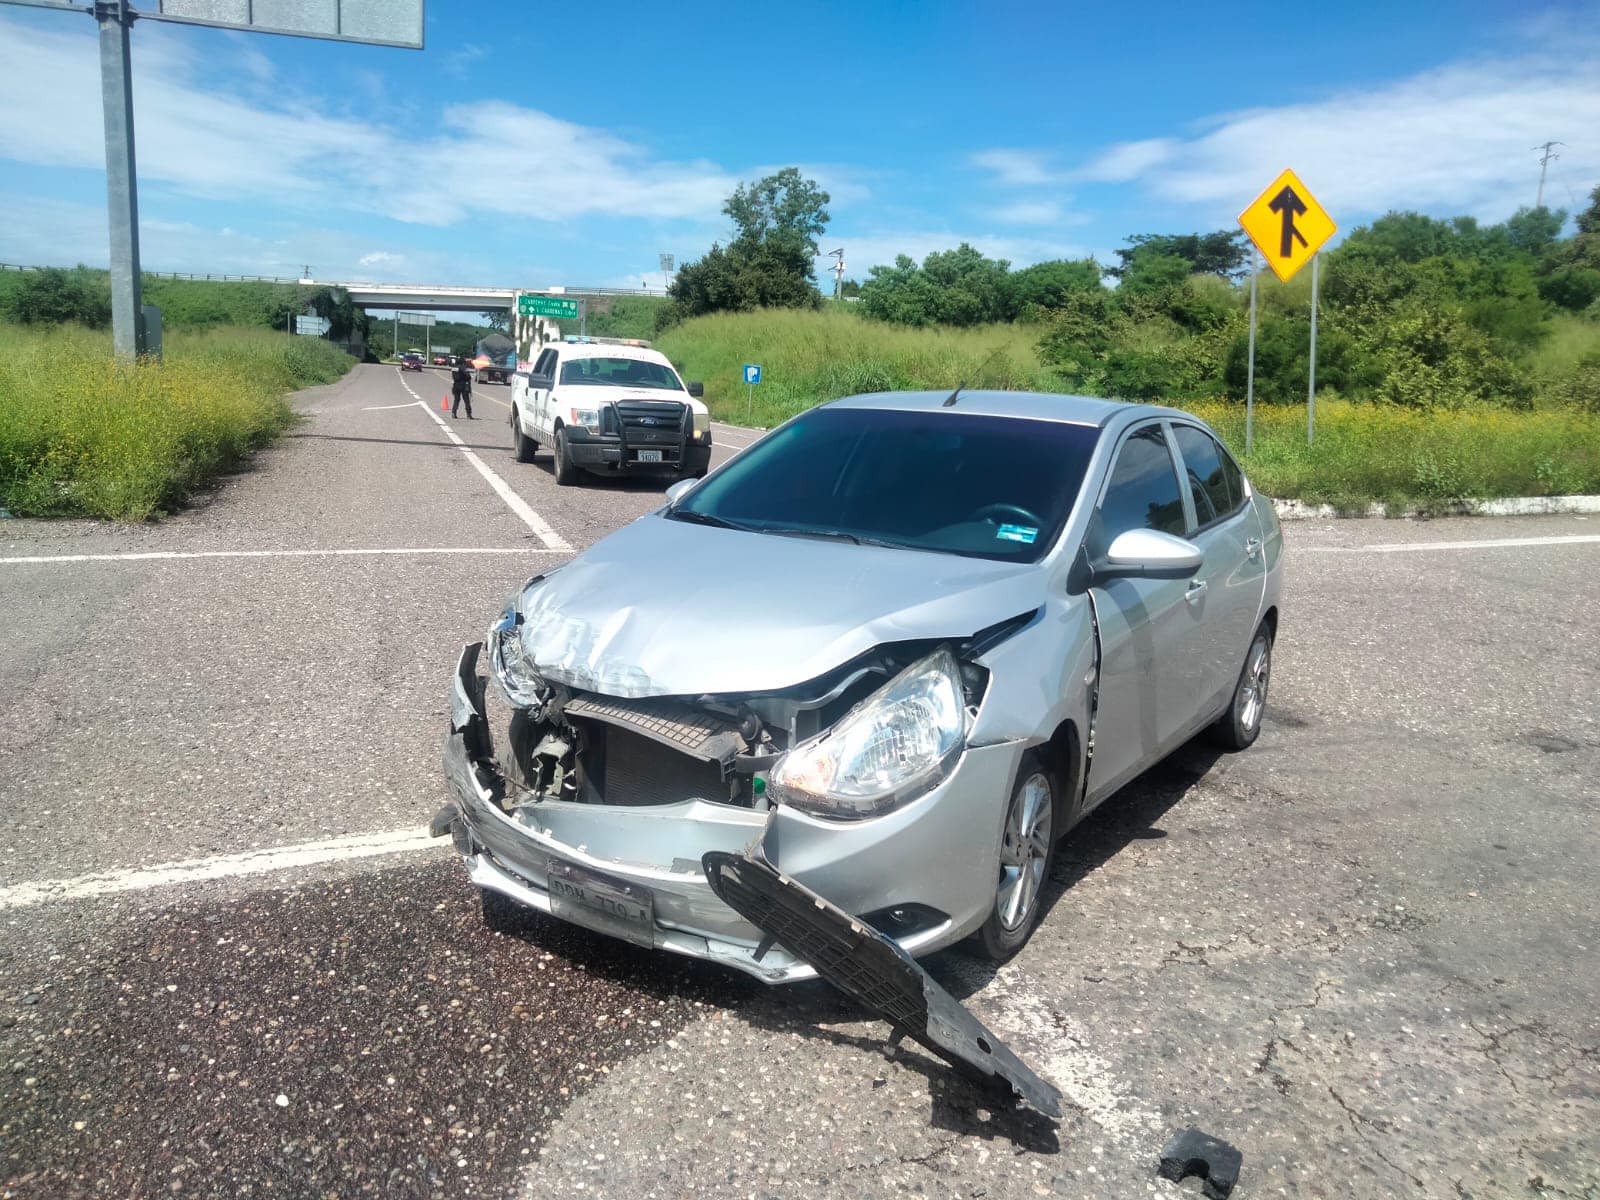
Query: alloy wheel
{"type": "Point", "coordinates": [1024, 851]}
{"type": "Point", "coordinates": [1253, 686]}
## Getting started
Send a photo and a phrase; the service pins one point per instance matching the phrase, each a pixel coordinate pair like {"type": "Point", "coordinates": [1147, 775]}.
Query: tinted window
{"type": "Point", "coordinates": [546, 363]}
{"type": "Point", "coordinates": [1208, 480]}
{"type": "Point", "coordinates": [947, 481]}
{"type": "Point", "coordinates": [1230, 471]}
{"type": "Point", "coordinates": [619, 372]}
{"type": "Point", "coordinates": [1143, 491]}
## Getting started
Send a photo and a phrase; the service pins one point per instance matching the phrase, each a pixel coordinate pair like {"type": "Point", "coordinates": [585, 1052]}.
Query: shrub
{"type": "Point", "coordinates": [54, 296]}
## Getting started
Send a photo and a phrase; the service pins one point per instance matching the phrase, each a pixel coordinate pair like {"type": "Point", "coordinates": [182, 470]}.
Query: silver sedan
{"type": "Point", "coordinates": [894, 651]}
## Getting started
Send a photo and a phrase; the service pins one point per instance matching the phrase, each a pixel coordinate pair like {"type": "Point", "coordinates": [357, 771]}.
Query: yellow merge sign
{"type": "Point", "coordinates": [1287, 225]}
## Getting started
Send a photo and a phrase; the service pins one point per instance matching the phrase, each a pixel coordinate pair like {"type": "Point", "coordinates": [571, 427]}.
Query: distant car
{"type": "Point", "coordinates": [441, 360]}
{"type": "Point", "coordinates": [411, 362]}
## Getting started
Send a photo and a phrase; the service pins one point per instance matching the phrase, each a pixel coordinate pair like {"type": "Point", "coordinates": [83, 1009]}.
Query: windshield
{"type": "Point", "coordinates": [620, 372]}
{"type": "Point", "coordinates": [946, 481]}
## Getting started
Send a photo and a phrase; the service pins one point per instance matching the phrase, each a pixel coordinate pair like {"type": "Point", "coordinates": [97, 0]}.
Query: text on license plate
{"type": "Point", "coordinates": [649, 456]}
{"type": "Point", "coordinates": [623, 910]}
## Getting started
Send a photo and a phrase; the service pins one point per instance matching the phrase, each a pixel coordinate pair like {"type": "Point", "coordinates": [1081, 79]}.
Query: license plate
{"type": "Point", "coordinates": [623, 910]}
{"type": "Point", "coordinates": [649, 456]}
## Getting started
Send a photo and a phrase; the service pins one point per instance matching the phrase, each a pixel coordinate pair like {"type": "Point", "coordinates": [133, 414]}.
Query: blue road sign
{"type": "Point", "coordinates": [752, 373]}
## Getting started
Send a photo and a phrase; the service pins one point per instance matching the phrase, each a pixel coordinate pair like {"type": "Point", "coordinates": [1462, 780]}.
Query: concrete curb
{"type": "Point", "coordinates": [1510, 506]}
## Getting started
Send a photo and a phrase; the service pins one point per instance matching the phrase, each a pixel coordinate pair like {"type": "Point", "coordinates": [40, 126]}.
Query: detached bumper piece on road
{"type": "Point", "coordinates": [873, 970]}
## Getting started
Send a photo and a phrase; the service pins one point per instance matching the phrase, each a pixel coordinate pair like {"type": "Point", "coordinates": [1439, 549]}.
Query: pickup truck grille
{"type": "Point", "coordinates": [652, 422]}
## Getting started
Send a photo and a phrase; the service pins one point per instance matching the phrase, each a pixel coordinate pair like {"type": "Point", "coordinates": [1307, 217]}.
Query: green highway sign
{"type": "Point", "coordinates": [546, 306]}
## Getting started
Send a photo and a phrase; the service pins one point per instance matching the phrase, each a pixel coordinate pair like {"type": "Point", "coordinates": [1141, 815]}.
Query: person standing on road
{"type": "Point", "coordinates": [461, 388]}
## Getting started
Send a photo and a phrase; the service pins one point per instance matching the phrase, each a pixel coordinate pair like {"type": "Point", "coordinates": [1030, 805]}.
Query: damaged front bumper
{"type": "Point", "coordinates": [637, 872]}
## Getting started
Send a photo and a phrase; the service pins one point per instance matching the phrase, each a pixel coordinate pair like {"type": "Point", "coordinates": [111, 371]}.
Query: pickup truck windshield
{"type": "Point", "coordinates": [945, 481]}
{"type": "Point", "coordinates": [619, 372]}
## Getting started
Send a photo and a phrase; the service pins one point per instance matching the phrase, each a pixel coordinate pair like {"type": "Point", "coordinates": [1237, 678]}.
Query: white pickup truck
{"type": "Point", "coordinates": [609, 406]}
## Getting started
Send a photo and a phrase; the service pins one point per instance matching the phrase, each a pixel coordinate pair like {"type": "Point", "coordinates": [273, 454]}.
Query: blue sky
{"type": "Point", "coordinates": [572, 150]}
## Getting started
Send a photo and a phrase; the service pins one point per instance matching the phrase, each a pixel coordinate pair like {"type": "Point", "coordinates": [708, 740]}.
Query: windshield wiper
{"type": "Point", "coordinates": [838, 535]}
{"type": "Point", "coordinates": [704, 518]}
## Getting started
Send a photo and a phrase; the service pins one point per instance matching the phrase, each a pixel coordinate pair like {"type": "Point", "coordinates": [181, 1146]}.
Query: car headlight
{"type": "Point", "coordinates": [702, 426]}
{"type": "Point", "coordinates": [589, 418]}
{"type": "Point", "coordinates": [508, 658]}
{"type": "Point", "coordinates": [890, 748]}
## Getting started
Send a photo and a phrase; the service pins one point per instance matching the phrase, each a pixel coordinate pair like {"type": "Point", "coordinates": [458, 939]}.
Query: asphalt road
{"type": "Point", "coordinates": [1363, 951]}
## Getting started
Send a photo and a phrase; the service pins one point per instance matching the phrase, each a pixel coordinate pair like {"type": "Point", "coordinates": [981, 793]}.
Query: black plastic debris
{"type": "Point", "coordinates": [876, 972]}
{"type": "Point", "coordinates": [1207, 1158]}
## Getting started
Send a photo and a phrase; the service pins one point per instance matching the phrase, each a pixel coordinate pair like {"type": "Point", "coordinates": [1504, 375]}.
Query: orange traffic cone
{"type": "Point", "coordinates": [444, 404]}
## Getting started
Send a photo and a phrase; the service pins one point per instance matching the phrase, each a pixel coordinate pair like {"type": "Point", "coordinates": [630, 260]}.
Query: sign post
{"type": "Point", "coordinates": [1288, 227]}
{"type": "Point", "coordinates": [752, 376]}
{"type": "Point", "coordinates": [1250, 376]}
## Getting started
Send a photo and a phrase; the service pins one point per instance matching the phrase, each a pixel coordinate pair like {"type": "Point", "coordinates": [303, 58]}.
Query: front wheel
{"type": "Point", "coordinates": [1237, 728]}
{"type": "Point", "coordinates": [566, 469]}
{"type": "Point", "coordinates": [1027, 848]}
{"type": "Point", "coordinates": [525, 445]}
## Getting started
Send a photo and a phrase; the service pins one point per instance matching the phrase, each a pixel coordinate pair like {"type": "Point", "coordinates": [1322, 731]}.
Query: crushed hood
{"type": "Point", "coordinates": [665, 608]}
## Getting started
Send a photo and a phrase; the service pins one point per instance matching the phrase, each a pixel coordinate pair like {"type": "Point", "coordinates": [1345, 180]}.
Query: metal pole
{"type": "Point", "coordinates": [427, 344]}
{"type": "Point", "coordinates": [1311, 390]}
{"type": "Point", "coordinates": [122, 197]}
{"type": "Point", "coordinates": [750, 403]}
{"type": "Point", "coordinates": [583, 318]}
{"type": "Point", "coordinates": [1250, 377]}
{"type": "Point", "coordinates": [394, 350]}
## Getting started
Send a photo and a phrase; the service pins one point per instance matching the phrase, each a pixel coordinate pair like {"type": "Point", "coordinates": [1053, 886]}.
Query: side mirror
{"type": "Point", "coordinates": [680, 489]}
{"type": "Point", "coordinates": [697, 389]}
{"type": "Point", "coordinates": [1149, 554]}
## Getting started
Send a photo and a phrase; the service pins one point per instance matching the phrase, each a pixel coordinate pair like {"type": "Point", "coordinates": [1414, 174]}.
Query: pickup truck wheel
{"type": "Point", "coordinates": [1027, 848]}
{"type": "Point", "coordinates": [525, 445]}
{"type": "Point", "coordinates": [566, 471]}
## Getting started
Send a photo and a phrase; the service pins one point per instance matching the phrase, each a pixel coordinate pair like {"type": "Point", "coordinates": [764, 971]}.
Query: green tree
{"type": "Point", "coordinates": [1224, 252]}
{"type": "Point", "coordinates": [768, 264]}
{"type": "Point", "coordinates": [54, 296]}
{"type": "Point", "coordinates": [951, 287]}
{"type": "Point", "coordinates": [785, 209]}
{"type": "Point", "coordinates": [1045, 285]}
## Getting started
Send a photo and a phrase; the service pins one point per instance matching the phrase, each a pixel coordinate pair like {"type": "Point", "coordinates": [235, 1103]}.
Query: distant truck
{"type": "Point", "coordinates": [495, 359]}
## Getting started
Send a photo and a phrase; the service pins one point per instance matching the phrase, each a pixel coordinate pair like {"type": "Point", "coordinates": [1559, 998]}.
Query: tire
{"type": "Point", "coordinates": [1238, 728]}
{"type": "Point", "coordinates": [526, 447]}
{"type": "Point", "coordinates": [1027, 850]}
{"type": "Point", "coordinates": [566, 471]}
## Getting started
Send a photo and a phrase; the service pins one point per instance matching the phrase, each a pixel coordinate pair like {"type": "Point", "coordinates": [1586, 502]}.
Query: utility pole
{"type": "Point", "coordinates": [122, 196]}
{"type": "Point", "coordinates": [1544, 165]}
{"type": "Point", "coordinates": [838, 272]}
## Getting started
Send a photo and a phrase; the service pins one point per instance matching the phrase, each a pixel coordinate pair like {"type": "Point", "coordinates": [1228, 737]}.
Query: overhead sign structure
{"type": "Point", "coordinates": [1287, 225]}
{"type": "Point", "coordinates": [752, 373]}
{"type": "Point", "coordinates": [382, 22]}
{"type": "Point", "coordinates": [546, 306]}
{"type": "Point", "coordinates": [416, 318]}
{"type": "Point", "coordinates": [377, 22]}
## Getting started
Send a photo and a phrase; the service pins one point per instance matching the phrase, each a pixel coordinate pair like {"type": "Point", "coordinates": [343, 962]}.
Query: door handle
{"type": "Point", "coordinates": [1252, 548]}
{"type": "Point", "coordinates": [1197, 588]}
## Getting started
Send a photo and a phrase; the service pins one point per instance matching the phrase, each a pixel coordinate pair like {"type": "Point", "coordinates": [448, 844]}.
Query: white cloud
{"type": "Point", "coordinates": [1029, 212]}
{"type": "Point", "coordinates": [1453, 140]}
{"type": "Point", "coordinates": [220, 145]}
{"type": "Point", "coordinates": [380, 258]}
{"type": "Point", "coordinates": [1018, 168]}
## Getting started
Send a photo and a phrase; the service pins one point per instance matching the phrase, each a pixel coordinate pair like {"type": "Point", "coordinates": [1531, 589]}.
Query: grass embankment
{"type": "Point", "coordinates": [1362, 452]}
{"type": "Point", "coordinates": [83, 435]}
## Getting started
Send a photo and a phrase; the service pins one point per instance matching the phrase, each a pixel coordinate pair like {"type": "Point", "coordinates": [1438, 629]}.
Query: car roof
{"type": "Point", "coordinates": [1039, 406]}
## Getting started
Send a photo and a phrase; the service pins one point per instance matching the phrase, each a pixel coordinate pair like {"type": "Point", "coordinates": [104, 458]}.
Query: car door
{"type": "Point", "coordinates": [1147, 651]}
{"type": "Point", "coordinates": [539, 384]}
{"type": "Point", "coordinates": [1233, 576]}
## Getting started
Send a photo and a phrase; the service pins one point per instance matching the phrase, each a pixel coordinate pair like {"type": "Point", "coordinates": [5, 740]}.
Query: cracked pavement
{"type": "Point", "coordinates": [1364, 951]}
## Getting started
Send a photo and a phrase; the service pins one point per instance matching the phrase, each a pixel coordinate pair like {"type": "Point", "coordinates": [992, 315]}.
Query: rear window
{"type": "Point", "coordinates": [945, 481]}
{"type": "Point", "coordinates": [1209, 482]}
{"type": "Point", "coordinates": [619, 372]}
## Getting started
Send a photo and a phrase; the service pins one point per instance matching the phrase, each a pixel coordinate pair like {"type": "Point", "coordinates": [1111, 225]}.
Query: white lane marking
{"type": "Point", "coordinates": [541, 528]}
{"type": "Point", "coordinates": [386, 407]}
{"type": "Point", "coordinates": [223, 866]}
{"type": "Point", "coordinates": [1484, 544]}
{"type": "Point", "coordinates": [149, 555]}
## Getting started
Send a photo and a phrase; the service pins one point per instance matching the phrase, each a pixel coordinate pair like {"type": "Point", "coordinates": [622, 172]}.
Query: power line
{"type": "Point", "coordinates": [1544, 165]}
